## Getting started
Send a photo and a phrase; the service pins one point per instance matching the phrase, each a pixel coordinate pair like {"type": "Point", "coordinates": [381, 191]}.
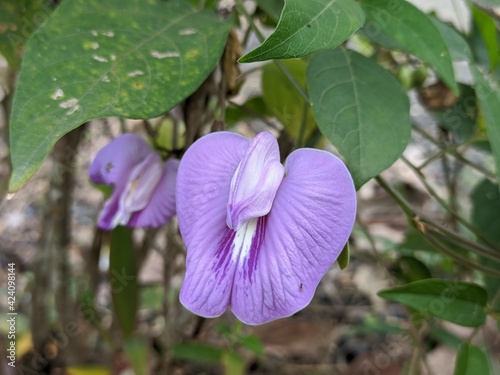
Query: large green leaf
{"type": "Point", "coordinates": [456, 301]}
{"type": "Point", "coordinates": [123, 278]}
{"type": "Point", "coordinates": [306, 27]}
{"type": "Point", "coordinates": [471, 360]}
{"type": "Point", "coordinates": [489, 103]}
{"type": "Point", "coordinates": [361, 108]}
{"type": "Point", "coordinates": [92, 59]}
{"type": "Point", "coordinates": [400, 25]}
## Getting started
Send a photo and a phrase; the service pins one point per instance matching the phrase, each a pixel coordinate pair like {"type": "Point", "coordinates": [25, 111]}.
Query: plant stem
{"type": "Point", "coordinates": [424, 224]}
{"type": "Point", "coordinates": [443, 204]}
{"type": "Point", "coordinates": [452, 151]}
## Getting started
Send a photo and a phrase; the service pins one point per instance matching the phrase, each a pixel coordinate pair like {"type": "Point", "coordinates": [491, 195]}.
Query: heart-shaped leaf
{"type": "Point", "coordinates": [306, 27]}
{"type": "Point", "coordinates": [93, 59]}
{"type": "Point", "coordinates": [349, 96]}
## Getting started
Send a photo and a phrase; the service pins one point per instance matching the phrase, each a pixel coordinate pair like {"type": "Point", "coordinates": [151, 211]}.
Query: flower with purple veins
{"type": "Point", "coordinates": [259, 235]}
{"type": "Point", "coordinates": [143, 186]}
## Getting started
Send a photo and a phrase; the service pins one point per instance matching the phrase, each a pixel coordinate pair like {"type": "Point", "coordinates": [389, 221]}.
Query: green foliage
{"type": "Point", "coordinates": [400, 25]}
{"type": "Point", "coordinates": [343, 259]}
{"type": "Point", "coordinates": [281, 98]}
{"type": "Point", "coordinates": [348, 94]}
{"type": "Point", "coordinates": [459, 302]}
{"type": "Point", "coordinates": [306, 27]}
{"type": "Point", "coordinates": [489, 102]}
{"type": "Point", "coordinates": [139, 59]}
{"type": "Point", "coordinates": [137, 352]}
{"type": "Point", "coordinates": [123, 278]}
{"type": "Point", "coordinates": [18, 20]}
{"type": "Point", "coordinates": [471, 360]}
{"type": "Point", "coordinates": [96, 59]}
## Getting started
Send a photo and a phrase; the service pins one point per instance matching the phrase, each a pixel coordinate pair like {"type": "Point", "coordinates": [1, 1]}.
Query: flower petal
{"type": "Point", "coordinates": [161, 206]}
{"type": "Point", "coordinates": [310, 222]}
{"type": "Point", "coordinates": [113, 163]}
{"type": "Point", "coordinates": [203, 184]}
{"type": "Point", "coordinates": [255, 182]}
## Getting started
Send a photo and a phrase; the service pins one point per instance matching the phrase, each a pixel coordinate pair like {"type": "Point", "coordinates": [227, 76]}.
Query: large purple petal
{"type": "Point", "coordinates": [113, 163]}
{"type": "Point", "coordinates": [203, 184]}
{"type": "Point", "coordinates": [311, 219]}
{"type": "Point", "coordinates": [161, 206]}
{"type": "Point", "coordinates": [255, 182]}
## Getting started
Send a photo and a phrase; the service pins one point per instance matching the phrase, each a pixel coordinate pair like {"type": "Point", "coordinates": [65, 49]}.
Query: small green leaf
{"type": "Point", "coordinates": [487, 27]}
{"type": "Point", "coordinates": [343, 259]}
{"type": "Point", "coordinates": [198, 352]}
{"type": "Point", "coordinates": [233, 363]}
{"type": "Point", "coordinates": [137, 351]}
{"type": "Point", "coordinates": [252, 343]}
{"type": "Point", "coordinates": [123, 278]}
{"type": "Point", "coordinates": [93, 59]}
{"type": "Point", "coordinates": [471, 360]}
{"type": "Point", "coordinates": [349, 96]}
{"type": "Point", "coordinates": [400, 25]}
{"type": "Point", "coordinates": [283, 100]}
{"type": "Point", "coordinates": [459, 302]}
{"type": "Point", "coordinates": [489, 103]}
{"type": "Point", "coordinates": [410, 269]}
{"type": "Point", "coordinates": [306, 27]}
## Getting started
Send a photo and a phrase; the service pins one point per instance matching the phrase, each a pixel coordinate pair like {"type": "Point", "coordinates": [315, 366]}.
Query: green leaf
{"type": "Point", "coordinates": [283, 100]}
{"type": "Point", "coordinates": [489, 103]}
{"type": "Point", "coordinates": [252, 343]}
{"type": "Point", "coordinates": [88, 370]}
{"type": "Point", "coordinates": [410, 269]}
{"type": "Point", "coordinates": [233, 363]}
{"type": "Point", "coordinates": [306, 27]}
{"type": "Point", "coordinates": [459, 302]}
{"type": "Point", "coordinates": [400, 25]}
{"type": "Point", "coordinates": [123, 278]}
{"type": "Point", "coordinates": [18, 20]}
{"type": "Point", "coordinates": [198, 352]}
{"type": "Point", "coordinates": [137, 351]}
{"type": "Point", "coordinates": [94, 59]}
{"type": "Point", "coordinates": [471, 360]}
{"type": "Point", "coordinates": [343, 259]}
{"type": "Point", "coordinates": [350, 96]}
{"type": "Point", "coordinates": [487, 27]}
{"type": "Point", "coordinates": [252, 108]}
{"type": "Point", "coordinates": [486, 206]}
{"type": "Point", "coordinates": [457, 45]}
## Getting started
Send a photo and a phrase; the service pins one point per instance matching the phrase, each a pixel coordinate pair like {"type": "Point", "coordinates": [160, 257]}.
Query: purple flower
{"type": "Point", "coordinates": [259, 235]}
{"type": "Point", "coordinates": [143, 186]}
